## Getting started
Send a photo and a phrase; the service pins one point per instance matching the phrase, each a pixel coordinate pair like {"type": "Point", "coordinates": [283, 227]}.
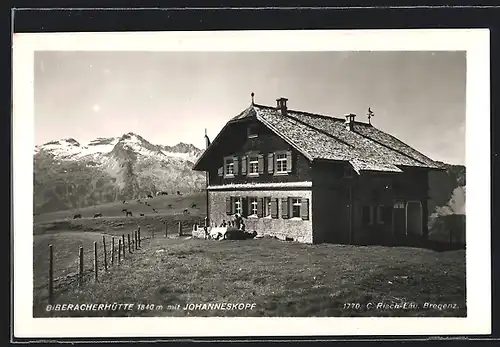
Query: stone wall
{"type": "Point", "coordinates": [294, 228]}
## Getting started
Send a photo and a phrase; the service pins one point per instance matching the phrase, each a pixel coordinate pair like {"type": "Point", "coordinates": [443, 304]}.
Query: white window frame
{"type": "Point", "coordinates": [254, 203]}
{"type": "Point", "coordinates": [283, 161]}
{"type": "Point", "coordinates": [294, 203]}
{"type": "Point", "coordinates": [267, 207]}
{"type": "Point", "coordinates": [250, 162]}
{"type": "Point", "coordinates": [238, 205]}
{"type": "Point", "coordinates": [228, 163]}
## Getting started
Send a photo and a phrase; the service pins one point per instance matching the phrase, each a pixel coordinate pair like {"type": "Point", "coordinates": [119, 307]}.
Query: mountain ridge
{"type": "Point", "coordinates": [69, 174]}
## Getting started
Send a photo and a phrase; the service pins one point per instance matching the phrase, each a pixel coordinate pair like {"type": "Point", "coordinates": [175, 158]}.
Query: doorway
{"type": "Point", "coordinates": [414, 218]}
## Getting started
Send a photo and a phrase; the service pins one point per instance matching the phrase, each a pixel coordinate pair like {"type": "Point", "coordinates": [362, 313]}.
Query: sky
{"type": "Point", "coordinates": [171, 97]}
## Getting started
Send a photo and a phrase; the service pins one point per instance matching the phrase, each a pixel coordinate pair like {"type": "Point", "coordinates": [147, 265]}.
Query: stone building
{"type": "Point", "coordinates": [314, 178]}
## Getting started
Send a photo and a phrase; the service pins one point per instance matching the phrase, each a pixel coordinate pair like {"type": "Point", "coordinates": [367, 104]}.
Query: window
{"type": "Point", "coordinates": [238, 206]}
{"type": "Point", "coordinates": [253, 206]}
{"type": "Point", "coordinates": [367, 217]}
{"type": "Point", "coordinates": [384, 215]}
{"type": "Point", "coordinates": [267, 207]}
{"type": "Point", "coordinates": [229, 167]}
{"type": "Point", "coordinates": [295, 208]}
{"type": "Point", "coordinates": [281, 162]}
{"type": "Point", "coordinates": [252, 131]}
{"type": "Point", "coordinates": [253, 165]}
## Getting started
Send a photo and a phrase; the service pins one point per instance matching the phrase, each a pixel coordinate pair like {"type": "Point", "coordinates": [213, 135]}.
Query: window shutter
{"type": "Point", "coordinates": [244, 207]}
{"type": "Point", "coordinates": [224, 167]}
{"type": "Point", "coordinates": [229, 206]}
{"type": "Point", "coordinates": [235, 165]}
{"type": "Point", "coordinates": [274, 208]}
{"type": "Point", "coordinates": [261, 164]}
{"type": "Point", "coordinates": [270, 163]}
{"type": "Point", "coordinates": [220, 171]}
{"type": "Point", "coordinates": [284, 208]}
{"type": "Point", "coordinates": [289, 161]}
{"type": "Point", "coordinates": [244, 165]}
{"type": "Point", "coordinates": [260, 205]}
{"type": "Point", "coordinates": [304, 209]}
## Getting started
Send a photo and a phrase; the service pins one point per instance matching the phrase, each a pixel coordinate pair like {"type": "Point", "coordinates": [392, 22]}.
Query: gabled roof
{"type": "Point", "coordinates": [320, 137]}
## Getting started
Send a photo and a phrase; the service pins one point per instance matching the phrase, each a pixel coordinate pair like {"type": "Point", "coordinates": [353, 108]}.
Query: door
{"type": "Point", "coordinates": [413, 218]}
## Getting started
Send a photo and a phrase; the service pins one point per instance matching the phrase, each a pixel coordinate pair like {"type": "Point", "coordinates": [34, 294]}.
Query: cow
{"type": "Point", "coordinates": [77, 216]}
{"type": "Point", "coordinates": [169, 205]}
{"type": "Point", "coordinates": [155, 211]}
{"type": "Point", "coordinates": [124, 201]}
{"type": "Point", "coordinates": [179, 193]}
{"type": "Point", "coordinates": [97, 215]}
{"type": "Point", "coordinates": [124, 210]}
{"type": "Point", "coordinates": [164, 193]}
{"type": "Point", "coordinates": [139, 200]}
{"type": "Point", "coordinates": [142, 214]}
{"type": "Point", "coordinates": [129, 213]}
{"type": "Point", "coordinates": [186, 211]}
{"type": "Point", "coordinates": [150, 196]}
{"type": "Point", "coordinates": [193, 206]}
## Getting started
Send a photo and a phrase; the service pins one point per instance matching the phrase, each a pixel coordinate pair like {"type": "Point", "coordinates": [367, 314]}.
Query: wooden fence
{"type": "Point", "coordinates": [108, 253]}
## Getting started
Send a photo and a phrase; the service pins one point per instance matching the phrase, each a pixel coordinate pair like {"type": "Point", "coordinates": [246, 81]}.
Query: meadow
{"type": "Point", "coordinates": [281, 278]}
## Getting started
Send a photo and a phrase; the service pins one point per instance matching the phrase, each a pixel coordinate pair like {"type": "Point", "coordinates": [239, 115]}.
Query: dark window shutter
{"type": "Point", "coordinates": [260, 206]}
{"type": "Point", "coordinates": [289, 161]}
{"type": "Point", "coordinates": [244, 165]}
{"type": "Point", "coordinates": [261, 164]}
{"type": "Point", "coordinates": [270, 163]}
{"type": "Point", "coordinates": [235, 165]}
{"type": "Point", "coordinates": [229, 206]}
{"type": "Point", "coordinates": [244, 207]}
{"type": "Point", "coordinates": [304, 209]}
{"type": "Point", "coordinates": [284, 208]}
{"type": "Point", "coordinates": [274, 208]}
{"type": "Point", "coordinates": [224, 167]}
{"type": "Point", "coordinates": [220, 171]}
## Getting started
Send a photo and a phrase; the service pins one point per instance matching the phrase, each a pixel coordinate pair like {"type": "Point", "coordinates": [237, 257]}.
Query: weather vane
{"type": "Point", "coordinates": [370, 115]}
{"type": "Point", "coordinates": [252, 97]}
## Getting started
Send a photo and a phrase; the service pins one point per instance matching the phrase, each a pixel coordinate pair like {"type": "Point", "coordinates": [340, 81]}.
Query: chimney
{"type": "Point", "coordinates": [349, 121]}
{"type": "Point", "coordinates": [281, 105]}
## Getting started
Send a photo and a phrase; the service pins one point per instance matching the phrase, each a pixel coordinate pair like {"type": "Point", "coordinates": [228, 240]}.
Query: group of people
{"type": "Point", "coordinates": [237, 223]}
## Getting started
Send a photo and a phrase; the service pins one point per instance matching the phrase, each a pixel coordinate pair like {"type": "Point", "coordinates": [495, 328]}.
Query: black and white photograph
{"type": "Point", "coordinates": [250, 176]}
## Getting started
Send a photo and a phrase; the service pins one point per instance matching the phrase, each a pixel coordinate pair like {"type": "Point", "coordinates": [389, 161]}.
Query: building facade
{"type": "Point", "coordinates": [313, 178]}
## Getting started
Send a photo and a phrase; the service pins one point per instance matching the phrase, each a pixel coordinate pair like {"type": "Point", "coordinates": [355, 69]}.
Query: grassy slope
{"type": "Point", "coordinates": [283, 279]}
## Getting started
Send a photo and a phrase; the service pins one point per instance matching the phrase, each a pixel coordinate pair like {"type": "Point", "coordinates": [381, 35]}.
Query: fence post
{"type": "Point", "coordinates": [119, 251]}
{"type": "Point", "coordinates": [166, 229]}
{"type": "Point", "coordinates": [180, 229]}
{"type": "Point", "coordinates": [112, 250]}
{"type": "Point", "coordinates": [95, 260]}
{"type": "Point", "coordinates": [123, 245]}
{"type": "Point", "coordinates": [153, 233]}
{"type": "Point", "coordinates": [51, 274]}
{"type": "Point", "coordinates": [80, 270]}
{"type": "Point", "coordinates": [135, 240]}
{"type": "Point", "coordinates": [105, 255]}
{"type": "Point", "coordinates": [139, 235]}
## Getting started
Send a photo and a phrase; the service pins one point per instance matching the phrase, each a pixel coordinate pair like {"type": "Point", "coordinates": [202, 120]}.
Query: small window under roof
{"type": "Point", "coordinates": [253, 130]}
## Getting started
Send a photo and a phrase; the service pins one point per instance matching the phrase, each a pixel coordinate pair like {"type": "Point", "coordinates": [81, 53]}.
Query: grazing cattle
{"type": "Point", "coordinates": [124, 210]}
{"type": "Point", "coordinates": [164, 193]}
{"type": "Point", "coordinates": [124, 202]}
{"type": "Point", "coordinates": [129, 213]}
{"type": "Point", "coordinates": [155, 211]}
{"type": "Point", "coordinates": [150, 196]}
{"type": "Point", "coordinates": [97, 215]}
{"type": "Point", "coordinates": [138, 200]}
{"type": "Point", "coordinates": [186, 211]}
{"type": "Point", "coordinates": [179, 193]}
{"type": "Point", "coordinates": [193, 206]}
{"type": "Point", "coordinates": [142, 214]}
{"type": "Point", "coordinates": [77, 216]}
{"type": "Point", "coordinates": [169, 205]}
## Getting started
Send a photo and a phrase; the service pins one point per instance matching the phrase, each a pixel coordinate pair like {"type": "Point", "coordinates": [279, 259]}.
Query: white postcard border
{"type": "Point", "coordinates": [474, 41]}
